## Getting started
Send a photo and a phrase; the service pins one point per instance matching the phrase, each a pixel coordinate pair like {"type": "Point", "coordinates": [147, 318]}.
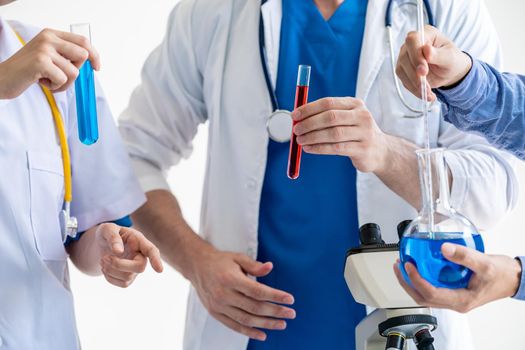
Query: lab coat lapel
{"type": "Point", "coordinates": [373, 50]}
{"type": "Point", "coordinates": [272, 14]}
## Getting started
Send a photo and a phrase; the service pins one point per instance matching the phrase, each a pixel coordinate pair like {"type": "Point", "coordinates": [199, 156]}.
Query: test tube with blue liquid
{"type": "Point", "coordinates": [85, 94]}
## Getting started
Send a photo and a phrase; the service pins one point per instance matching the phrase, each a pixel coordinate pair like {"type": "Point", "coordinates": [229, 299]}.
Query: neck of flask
{"type": "Point", "coordinates": [437, 196]}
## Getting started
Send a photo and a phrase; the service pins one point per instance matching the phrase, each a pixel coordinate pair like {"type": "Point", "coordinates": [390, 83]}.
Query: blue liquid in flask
{"type": "Point", "coordinates": [86, 105]}
{"type": "Point", "coordinates": [425, 254]}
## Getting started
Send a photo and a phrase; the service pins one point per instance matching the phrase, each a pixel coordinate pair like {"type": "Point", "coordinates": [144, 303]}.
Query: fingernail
{"type": "Point", "coordinates": [281, 325]}
{"type": "Point", "coordinates": [297, 129]}
{"type": "Point", "coordinates": [299, 140]}
{"type": "Point", "coordinates": [408, 267]}
{"type": "Point", "coordinates": [291, 314]}
{"type": "Point", "coordinates": [296, 115]}
{"type": "Point", "coordinates": [288, 300]}
{"type": "Point", "coordinates": [448, 249]}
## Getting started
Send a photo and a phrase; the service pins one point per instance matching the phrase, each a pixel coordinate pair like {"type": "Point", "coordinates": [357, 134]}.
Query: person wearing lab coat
{"type": "Point", "coordinates": [36, 303]}
{"type": "Point", "coordinates": [208, 69]}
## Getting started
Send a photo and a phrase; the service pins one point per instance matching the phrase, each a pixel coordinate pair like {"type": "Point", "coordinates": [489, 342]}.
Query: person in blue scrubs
{"type": "Point", "coordinates": [478, 98]}
{"type": "Point", "coordinates": [306, 225]}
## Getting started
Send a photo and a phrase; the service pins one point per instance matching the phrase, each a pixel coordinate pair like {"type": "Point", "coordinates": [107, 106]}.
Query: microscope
{"type": "Point", "coordinates": [397, 319]}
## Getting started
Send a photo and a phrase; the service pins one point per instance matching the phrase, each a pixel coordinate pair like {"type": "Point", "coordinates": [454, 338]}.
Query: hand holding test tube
{"type": "Point", "coordinates": [301, 98]}
{"type": "Point", "coordinates": [85, 95]}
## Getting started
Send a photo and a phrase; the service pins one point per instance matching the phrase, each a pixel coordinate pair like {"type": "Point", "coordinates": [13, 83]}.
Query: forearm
{"type": "Point", "coordinates": [400, 170]}
{"type": "Point", "coordinates": [85, 253]}
{"type": "Point", "coordinates": [491, 103]}
{"type": "Point", "coordinates": [161, 220]}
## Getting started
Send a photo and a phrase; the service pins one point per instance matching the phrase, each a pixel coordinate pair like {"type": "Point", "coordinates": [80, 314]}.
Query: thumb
{"type": "Point", "coordinates": [114, 241]}
{"type": "Point", "coordinates": [463, 256]}
{"type": "Point", "coordinates": [253, 267]}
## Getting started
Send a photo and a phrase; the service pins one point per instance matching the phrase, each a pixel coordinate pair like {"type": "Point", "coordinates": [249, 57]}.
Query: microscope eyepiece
{"type": "Point", "coordinates": [370, 234]}
{"type": "Point", "coordinates": [401, 227]}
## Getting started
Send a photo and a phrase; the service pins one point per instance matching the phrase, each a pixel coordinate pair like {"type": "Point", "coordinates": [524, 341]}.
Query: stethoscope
{"type": "Point", "coordinates": [279, 124]}
{"type": "Point", "coordinates": [388, 25]}
{"type": "Point", "coordinates": [68, 223]}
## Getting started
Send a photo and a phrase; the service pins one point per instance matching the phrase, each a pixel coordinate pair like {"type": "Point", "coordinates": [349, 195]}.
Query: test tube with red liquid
{"type": "Point", "coordinates": [301, 98]}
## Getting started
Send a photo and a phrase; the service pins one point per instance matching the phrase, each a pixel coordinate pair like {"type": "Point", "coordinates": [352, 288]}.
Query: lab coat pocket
{"type": "Point", "coordinates": [46, 181]}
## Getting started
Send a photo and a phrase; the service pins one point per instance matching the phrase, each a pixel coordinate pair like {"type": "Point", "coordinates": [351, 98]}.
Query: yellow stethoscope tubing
{"type": "Point", "coordinates": [61, 130]}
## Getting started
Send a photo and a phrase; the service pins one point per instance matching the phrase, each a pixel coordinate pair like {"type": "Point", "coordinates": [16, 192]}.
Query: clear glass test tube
{"type": "Point", "coordinates": [85, 94]}
{"type": "Point", "coordinates": [301, 98]}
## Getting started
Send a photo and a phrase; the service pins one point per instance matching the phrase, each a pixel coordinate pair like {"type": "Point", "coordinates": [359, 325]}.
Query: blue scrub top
{"type": "Point", "coordinates": [306, 225]}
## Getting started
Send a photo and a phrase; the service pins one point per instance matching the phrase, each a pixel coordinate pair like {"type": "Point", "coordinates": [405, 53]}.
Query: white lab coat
{"type": "Point", "coordinates": [36, 304]}
{"type": "Point", "coordinates": [208, 69]}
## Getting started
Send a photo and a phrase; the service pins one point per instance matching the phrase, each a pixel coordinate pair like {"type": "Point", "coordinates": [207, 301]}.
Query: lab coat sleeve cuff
{"type": "Point", "coordinates": [150, 177]}
{"type": "Point", "coordinates": [460, 181]}
{"type": "Point", "coordinates": [520, 294]}
{"type": "Point", "coordinates": [125, 205]}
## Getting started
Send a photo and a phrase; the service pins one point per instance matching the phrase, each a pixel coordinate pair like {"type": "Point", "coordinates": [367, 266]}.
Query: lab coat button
{"type": "Point", "coordinates": [252, 184]}
{"type": "Point", "coordinates": [251, 252]}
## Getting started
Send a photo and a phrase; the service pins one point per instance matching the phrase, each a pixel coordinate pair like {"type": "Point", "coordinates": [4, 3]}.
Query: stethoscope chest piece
{"type": "Point", "coordinates": [279, 125]}
{"type": "Point", "coordinates": [68, 225]}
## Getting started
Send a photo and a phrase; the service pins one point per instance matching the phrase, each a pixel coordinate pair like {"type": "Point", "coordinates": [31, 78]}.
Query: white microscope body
{"type": "Point", "coordinates": [371, 280]}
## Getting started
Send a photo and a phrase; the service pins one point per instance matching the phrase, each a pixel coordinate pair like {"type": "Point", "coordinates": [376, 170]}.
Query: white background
{"type": "Point", "coordinates": [150, 314]}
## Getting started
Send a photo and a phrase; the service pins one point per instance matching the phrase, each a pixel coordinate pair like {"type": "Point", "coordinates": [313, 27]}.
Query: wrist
{"type": "Point", "coordinates": [3, 83]}
{"type": "Point", "coordinates": [387, 155]}
{"type": "Point", "coordinates": [515, 277]}
{"type": "Point", "coordinates": [194, 253]}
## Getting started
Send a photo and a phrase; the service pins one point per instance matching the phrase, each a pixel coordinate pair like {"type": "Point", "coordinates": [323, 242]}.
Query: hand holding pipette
{"type": "Point", "coordinates": [439, 60]}
{"type": "Point", "coordinates": [52, 58]}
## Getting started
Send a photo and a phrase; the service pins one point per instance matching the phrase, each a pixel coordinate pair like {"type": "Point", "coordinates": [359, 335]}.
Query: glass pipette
{"type": "Point", "coordinates": [424, 99]}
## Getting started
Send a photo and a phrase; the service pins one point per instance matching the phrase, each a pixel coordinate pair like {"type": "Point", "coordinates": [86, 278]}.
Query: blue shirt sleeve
{"type": "Point", "coordinates": [520, 294]}
{"type": "Point", "coordinates": [489, 103]}
{"type": "Point", "coordinates": [125, 221]}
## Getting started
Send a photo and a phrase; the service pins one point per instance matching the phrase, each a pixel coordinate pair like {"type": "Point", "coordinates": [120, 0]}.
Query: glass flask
{"type": "Point", "coordinates": [437, 223]}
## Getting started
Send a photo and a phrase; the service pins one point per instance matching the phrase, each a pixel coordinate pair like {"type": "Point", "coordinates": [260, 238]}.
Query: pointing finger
{"type": "Point", "coordinates": [148, 249]}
